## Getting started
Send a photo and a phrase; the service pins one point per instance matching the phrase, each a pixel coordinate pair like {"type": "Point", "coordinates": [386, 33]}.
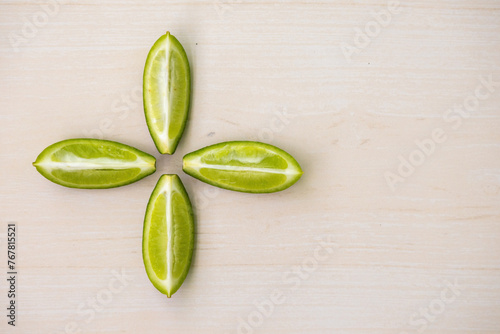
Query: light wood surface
{"type": "Point", "coordinates": [272, 71]}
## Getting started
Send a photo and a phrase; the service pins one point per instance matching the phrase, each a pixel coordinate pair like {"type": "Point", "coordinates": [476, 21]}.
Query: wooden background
{"type": "Point", "coordinates": [272, 71]}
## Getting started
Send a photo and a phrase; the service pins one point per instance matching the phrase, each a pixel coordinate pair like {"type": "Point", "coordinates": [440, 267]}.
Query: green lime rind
{"type": "Point", "coordinates": [93, 163]}
{"type": "Point", "coordinates": [244, 166]}
{"type": "Point", "coordinates": [166, 92]}
{"type": "Point", "coordinates": [168, 235]}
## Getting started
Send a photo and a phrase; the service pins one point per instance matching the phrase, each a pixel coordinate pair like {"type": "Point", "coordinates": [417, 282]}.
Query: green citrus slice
{"type": "Point", "coordinates": [93, 163]}
{"type": "Point", "coordinates": [166, 92]}
{"type": "Point", "coordinates": [243, 166]}
{"type": "Point", "coordinates": [168, 236]}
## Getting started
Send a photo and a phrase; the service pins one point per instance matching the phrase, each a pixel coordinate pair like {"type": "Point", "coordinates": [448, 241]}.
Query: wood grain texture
{"type": "Point", "coordinates": [271, 71]}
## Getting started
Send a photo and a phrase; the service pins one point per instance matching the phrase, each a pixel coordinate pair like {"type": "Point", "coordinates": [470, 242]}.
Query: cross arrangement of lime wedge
{"type": "Point", "coordinates": [169, 227]}
{"type": "Point", "coordinates": [166, 90]}
{"type": "Point", "coordinates": [244, 166]}
{"type": "Point", "coordinates": [168, 235]}
{"type": "Point", "coordinates": [93, 163]}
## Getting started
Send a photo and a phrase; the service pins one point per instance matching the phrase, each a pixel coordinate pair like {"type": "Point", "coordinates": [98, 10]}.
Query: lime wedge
{"type": "Point", "coordinates": [166, 92]}
{"type": "Point", "coordinates": [93, 163]}
{"type": "Point", "coordinates": [245, 166]}
{"type": "Point", "coordinates": [168, 236]}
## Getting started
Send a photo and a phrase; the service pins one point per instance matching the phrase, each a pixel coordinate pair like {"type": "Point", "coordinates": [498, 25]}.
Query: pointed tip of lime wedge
{"type": "Point", "coordinates": [169, 150]}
